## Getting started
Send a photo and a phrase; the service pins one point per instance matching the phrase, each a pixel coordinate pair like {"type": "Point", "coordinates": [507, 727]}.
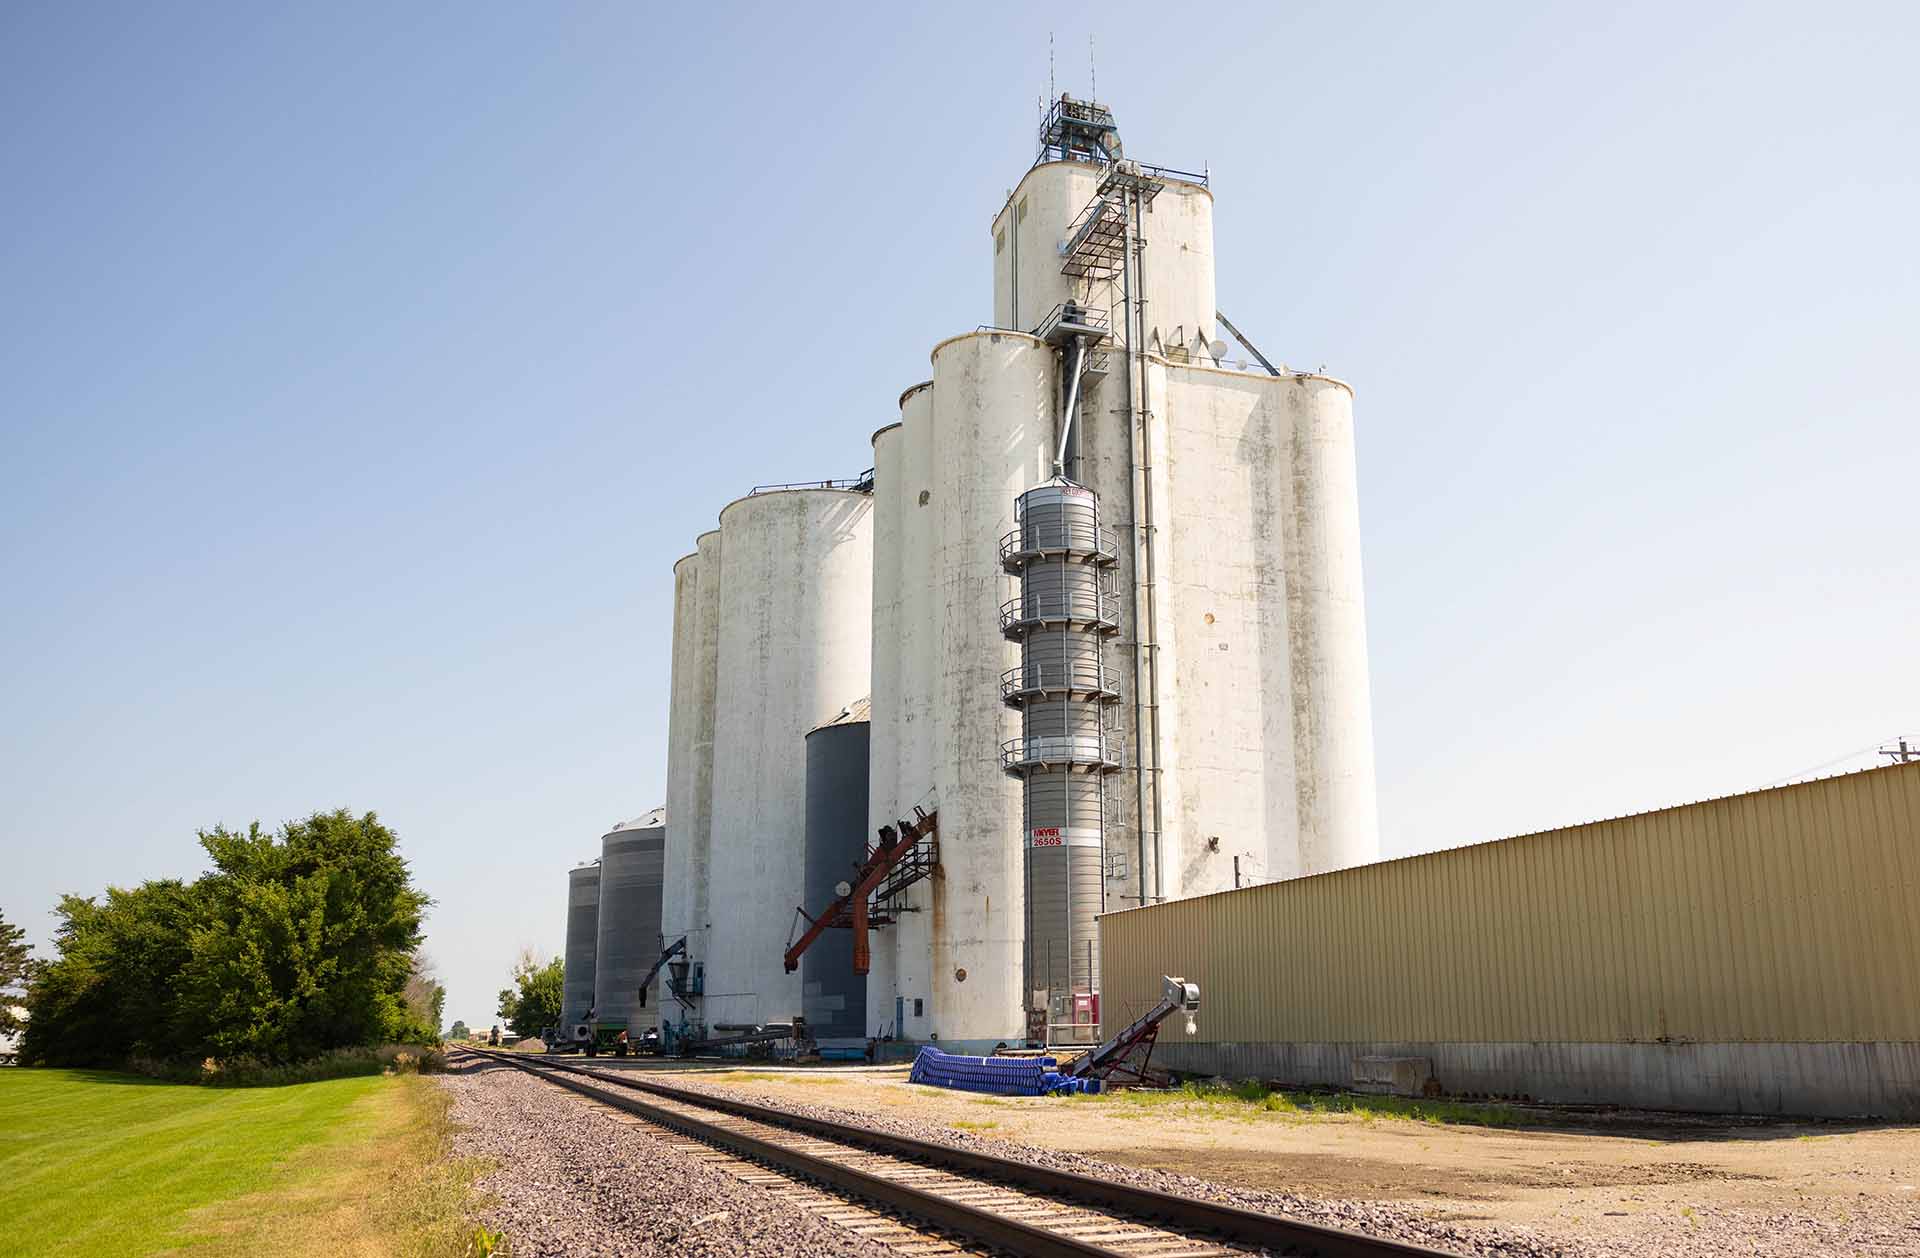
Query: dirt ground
{"type": "Point", "coordinates": [1616, 1177]}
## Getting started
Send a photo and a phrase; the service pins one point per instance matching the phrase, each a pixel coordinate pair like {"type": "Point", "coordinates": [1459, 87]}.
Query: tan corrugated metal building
{"type": "Point", "coordinates": [1758, 953]}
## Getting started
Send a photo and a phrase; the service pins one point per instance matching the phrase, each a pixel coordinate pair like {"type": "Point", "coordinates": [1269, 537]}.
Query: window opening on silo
{"type": "Point", "coordinates": [916, 1006]}
{"type": "Point", "coordinates": [1020, 211]}
{"type": "Point", "coordinates": [999, 243]}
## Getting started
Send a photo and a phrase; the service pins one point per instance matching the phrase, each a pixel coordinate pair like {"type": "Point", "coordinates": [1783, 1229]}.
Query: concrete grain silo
{"type": "Point", "coordinates": [1209, 724]}
{"type": "Point", "coordinates": [695, 679]}
{"type": "Point", "coordinates": [1233, 707]}
{"type": "Point", "coordinates": [795, 618]}
{"type": "Point", "coordinates": [583, 940]}
{"type": "Point", "coordinates": [977, 434]}
{"type": "Point", "coordinates": [632, 856]}
{"type": "Point", "coordinates": [887, 712]}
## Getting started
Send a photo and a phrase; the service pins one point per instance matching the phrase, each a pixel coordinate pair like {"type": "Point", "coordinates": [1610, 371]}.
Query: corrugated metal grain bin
{"type": "Point", "coordinates": [833, 997]}
{"type": "Point", "coordinates": [583, 931]}
{"type": "Point", "coordinates": [631, 868]}
{"type": "Point", "coordinates": [1757, 954]}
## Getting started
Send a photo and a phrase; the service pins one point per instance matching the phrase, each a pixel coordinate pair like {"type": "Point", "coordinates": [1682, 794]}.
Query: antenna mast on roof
{"type": "Point", "coordinates": [1093, 73]}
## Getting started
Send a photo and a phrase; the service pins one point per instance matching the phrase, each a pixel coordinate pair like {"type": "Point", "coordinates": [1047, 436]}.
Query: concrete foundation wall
{"type": "Point", "coordinates": [1830, 1080]}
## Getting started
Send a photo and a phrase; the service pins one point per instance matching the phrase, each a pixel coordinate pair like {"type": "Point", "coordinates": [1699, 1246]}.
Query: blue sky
{"type": "Point", "coordinates": [366, 367]}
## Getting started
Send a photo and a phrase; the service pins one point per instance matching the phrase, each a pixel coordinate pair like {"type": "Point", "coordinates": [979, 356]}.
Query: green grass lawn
{"type": "Point", "coordinates": [112, 1164]}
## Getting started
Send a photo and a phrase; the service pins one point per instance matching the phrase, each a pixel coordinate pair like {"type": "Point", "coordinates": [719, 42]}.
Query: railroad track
{"type": "Point", "coordinates": [961, 1200]}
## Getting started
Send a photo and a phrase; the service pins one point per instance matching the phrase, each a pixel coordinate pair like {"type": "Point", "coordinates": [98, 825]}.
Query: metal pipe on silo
{"type": "Point", "coordinates": [1149, 630]}
{"type": "Point", "coordinates": [1146, 745]}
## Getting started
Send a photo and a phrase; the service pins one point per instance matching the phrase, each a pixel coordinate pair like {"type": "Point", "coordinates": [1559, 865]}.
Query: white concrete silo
{"type": "Point", "coordinates": [885, 707]}
{"type": "Point", "coordinates": [676, 899]}
{"type": "Point", "coordinates": [906, 944]}
{"type": "Point", "coordinates": [795, 621]}
{"type": "Point", "coordinates": [685, 908]}
{"type": "Point", "coordinates": [1265, 723]}
{"type": "Point", "coordinates": [1336, 790]}
{"type": "Point", "coordinates": [980, 434]}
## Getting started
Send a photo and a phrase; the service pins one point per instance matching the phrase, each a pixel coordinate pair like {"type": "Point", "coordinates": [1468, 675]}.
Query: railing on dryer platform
{"type": "Point", "coordinates": [1036, 540]}
{"type": "Point", "coordinates": [1044, 751]}
{"type": "Point", "coordinates": [1099, 610]}
{"type": "Point", "coordinates": [1086, 678]}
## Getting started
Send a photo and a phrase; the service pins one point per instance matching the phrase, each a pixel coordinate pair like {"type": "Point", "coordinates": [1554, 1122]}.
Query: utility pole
{"type": "Point", "coordinates": [1901, 754]}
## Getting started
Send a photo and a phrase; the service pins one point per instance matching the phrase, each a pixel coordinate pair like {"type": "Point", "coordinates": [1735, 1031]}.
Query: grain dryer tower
{"type": "Point", "coordinates": [1171, 695]}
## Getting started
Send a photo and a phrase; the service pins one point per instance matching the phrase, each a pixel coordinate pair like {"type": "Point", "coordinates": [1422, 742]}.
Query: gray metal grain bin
{"type": "Point", "coordinates": [583, 928]}
{"type": "Point", "coordinates": [632, 863]}
{"type": "Point", "coordinates": [834, 998]}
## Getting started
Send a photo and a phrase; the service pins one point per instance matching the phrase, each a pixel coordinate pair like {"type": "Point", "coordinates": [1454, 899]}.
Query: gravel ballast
{"type": "Point", "coordinates": [1874, 1230]}
{"type": "Point", "coordinates": [574, 1180]}
{"type": "Point", "coordinates": [1372, 1218]}
{"type": "Point", "coordinates": [571, 1179]}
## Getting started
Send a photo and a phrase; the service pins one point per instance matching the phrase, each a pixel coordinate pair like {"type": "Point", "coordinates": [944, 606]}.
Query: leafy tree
{"type": "Point", "coordinates": [109, 992]}
{"type": "Point", "coordinates": [16, 971]}
{"type": "Point", "coordinates": [532, 1004]}
{"type": "Point", "coordinates": [458, 1031]}
{"type": "Point", "coordinates": [425, 1000]}
{"type": "Point", "coordinates": [291, 945]}
{"type": "Point", "coordinates": [309, 941]}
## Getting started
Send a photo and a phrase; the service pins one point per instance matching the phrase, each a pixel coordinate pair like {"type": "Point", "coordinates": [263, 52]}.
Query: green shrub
{"type": "Point", "coordinates": [246, 1071]}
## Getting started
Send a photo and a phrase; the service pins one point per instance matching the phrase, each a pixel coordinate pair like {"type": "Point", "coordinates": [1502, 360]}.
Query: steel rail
{"type": "Point", "coordinates": [968, 1221]}
{"type": "Point", "coordinates": [1275, 1232]}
